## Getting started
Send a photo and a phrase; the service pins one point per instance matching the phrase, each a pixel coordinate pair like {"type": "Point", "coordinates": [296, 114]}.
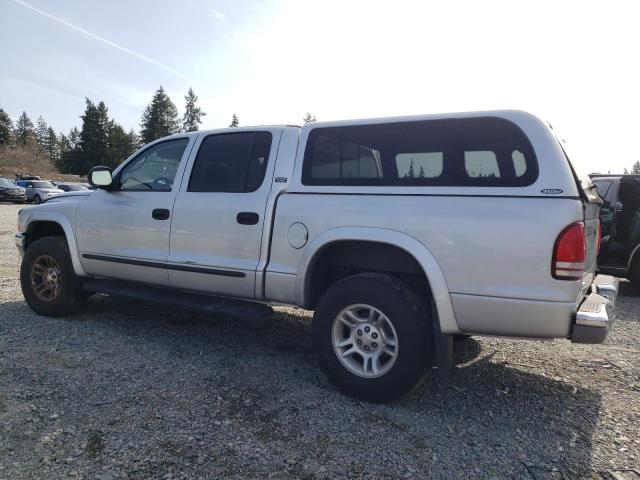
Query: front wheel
{"type": "Point", "coordinates": [37, 199]}
{"type": "Point", "coordinates": [49, 283]}
{"type": "Point", "coordinates": [373, 337]}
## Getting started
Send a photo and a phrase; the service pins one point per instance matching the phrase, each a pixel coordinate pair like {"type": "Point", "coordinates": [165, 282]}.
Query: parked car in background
{"type": "Point", "coordinates": [10, 192]}
{"type": "Point", "coordinates": [27, 177]}
{"type": "Point", "coordinates": [39, 190]}
{"type": "Point", "coordinates": [71, 187]}
{"type": "Point", "coordinates": [620, 221]}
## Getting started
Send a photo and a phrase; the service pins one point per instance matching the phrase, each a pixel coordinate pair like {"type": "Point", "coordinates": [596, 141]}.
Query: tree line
{"type": "Point", "coordinates": [101, 140]}
{"type": "Point", "coordinates": [635, 169]}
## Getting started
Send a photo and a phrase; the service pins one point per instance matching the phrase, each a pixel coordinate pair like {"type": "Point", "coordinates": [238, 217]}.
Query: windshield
{"type": "Point", "coordinates": [7, 183]}
{"type": "Point", "coordinates": [42, 184]}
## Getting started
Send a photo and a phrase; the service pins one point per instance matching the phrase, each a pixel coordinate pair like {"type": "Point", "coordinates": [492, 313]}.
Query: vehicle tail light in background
{"type": "Point", "coordinates": [599, 244]}
{"type": "Point", "coordinates": [569, 253]}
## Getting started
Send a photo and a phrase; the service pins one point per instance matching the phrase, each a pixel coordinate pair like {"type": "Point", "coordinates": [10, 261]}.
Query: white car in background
{"type": "Point", "coordinates": [39, 190]}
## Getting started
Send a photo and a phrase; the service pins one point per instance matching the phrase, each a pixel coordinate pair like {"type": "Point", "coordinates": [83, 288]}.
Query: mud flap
{"type": "Point", "coordinates": [444, 347]}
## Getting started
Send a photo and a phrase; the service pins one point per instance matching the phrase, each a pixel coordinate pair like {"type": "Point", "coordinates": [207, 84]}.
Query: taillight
{"type": "Point", "coordinates": [569, 253]}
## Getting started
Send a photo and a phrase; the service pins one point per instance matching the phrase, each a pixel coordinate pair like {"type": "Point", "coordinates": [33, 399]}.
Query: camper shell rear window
{"type": "Point", "coordinates": [483, 151]}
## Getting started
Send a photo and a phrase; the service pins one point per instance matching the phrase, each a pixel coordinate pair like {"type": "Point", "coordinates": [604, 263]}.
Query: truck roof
{"type": "Point", "coordinates": [508, 114]}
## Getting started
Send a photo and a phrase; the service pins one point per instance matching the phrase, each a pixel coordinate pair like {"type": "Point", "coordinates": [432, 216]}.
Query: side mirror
{"type": "Point", "coordinates": [100, 177]}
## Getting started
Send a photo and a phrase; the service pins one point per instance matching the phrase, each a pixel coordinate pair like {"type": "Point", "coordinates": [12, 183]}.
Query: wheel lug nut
{"type": "Point", "coordinates": [366, 329]}
{"type": "Point", "coordinates": [359, 342]}
{"type": "Point", "coordinates": [367, 348]}
{"type": "Point", "coordinates": [374, 335]}
{"type": "Point", "coordinates": [374, 344]}
{"type": "Point", "coordinates": [359, 332]}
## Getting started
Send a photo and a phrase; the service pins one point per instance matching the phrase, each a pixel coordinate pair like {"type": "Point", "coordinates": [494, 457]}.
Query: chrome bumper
{"type": "Point", "coordinates": [21, 242]}
{"type": "Point", "coordinates": [595, 314]}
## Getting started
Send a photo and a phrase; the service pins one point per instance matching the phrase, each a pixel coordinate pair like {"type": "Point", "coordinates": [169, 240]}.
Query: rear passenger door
{"type": "Point", "coordinates": [218, 216]}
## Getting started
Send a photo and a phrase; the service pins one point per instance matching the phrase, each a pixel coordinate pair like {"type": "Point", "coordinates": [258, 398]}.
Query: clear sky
{"type": "Point", "coordinates": [573, 63]}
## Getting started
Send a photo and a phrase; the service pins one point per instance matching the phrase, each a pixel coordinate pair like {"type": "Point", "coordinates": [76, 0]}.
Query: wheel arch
{"type": "Point", "coordinates": [43, 224]}
{"type": "Point", "coordinates": [393, 238]}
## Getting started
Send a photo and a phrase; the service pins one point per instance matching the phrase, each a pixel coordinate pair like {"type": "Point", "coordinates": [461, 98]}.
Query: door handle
{"type": "Point", "coordinates": [160, 213]}
{"type": "Point", "coordinates": [248, 218]}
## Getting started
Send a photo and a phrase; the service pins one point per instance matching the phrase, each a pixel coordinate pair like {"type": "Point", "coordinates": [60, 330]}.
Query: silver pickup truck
{"type": "Point", "coordinates": [400, 233]}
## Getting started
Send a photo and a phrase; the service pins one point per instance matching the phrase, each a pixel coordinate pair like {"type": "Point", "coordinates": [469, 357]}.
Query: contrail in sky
{"type": "Point", "coordinates": [103, 40]}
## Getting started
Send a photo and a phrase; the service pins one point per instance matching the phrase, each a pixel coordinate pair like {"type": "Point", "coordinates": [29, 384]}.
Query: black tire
{"type": "Point", "coordinates": [37, 199]}
{"type": "Point", "coordinates": [411, 317]}
{"type": "Point", "coordinates": [70, 297]}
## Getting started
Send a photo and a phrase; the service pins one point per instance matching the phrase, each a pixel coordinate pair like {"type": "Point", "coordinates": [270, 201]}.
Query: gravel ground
{"type": "Point", "coordinates": [128, 390]}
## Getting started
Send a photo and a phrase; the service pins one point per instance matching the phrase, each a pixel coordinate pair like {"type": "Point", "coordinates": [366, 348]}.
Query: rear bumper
{"type": "Point", "coordinates": [595, 314]}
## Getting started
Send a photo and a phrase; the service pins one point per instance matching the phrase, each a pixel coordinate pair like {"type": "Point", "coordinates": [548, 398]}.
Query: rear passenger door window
{"type": "Point", "coordinates": [233, 162]}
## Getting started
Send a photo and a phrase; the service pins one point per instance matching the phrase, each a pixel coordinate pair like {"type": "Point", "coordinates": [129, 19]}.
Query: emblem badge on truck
{"type": "Point", "coordinates": [551, 191]}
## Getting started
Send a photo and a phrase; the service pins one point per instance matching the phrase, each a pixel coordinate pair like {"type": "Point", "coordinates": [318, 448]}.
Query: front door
{"type": "Point", "coordinates": [124, 232]}
{"type": "Point", "coordinates": [218, 216]}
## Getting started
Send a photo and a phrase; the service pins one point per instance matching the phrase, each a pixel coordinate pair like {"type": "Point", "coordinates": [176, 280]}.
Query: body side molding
{"type": "Point", "coordinates": [168, 266]}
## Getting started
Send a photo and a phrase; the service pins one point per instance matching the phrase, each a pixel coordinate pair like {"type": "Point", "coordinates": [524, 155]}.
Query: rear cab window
{"type": "Point", "coordinates": [486, 151]}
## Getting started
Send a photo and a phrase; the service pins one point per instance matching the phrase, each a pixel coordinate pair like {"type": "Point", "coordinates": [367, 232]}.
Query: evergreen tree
{"type": "Point", "coordinates": [309, 118]}
{"type": "Point", "coordinates": [64, 146]}
{"type": "Point", "coordinates": [134, 139]}
{"type": "Point", "coordinates": [234, 121]}
{"type": "Point", "coordinates": [625, 171]}
{"type": "Point", "coordinates": [192, 114]}
{"type": "Point", "coordinates": [74, 138]}
{"type": "Point", "coordinates": [51, 145]}
{"type": "Point", "coordinates": [421, 173]}
{"type": "Point", "coordinates": [6, 129]}
{"type": "Point", "coordinates": [94, 141]}
{"type": "Point", "coordinates": [42, 133]}
{"type": "Point", "coordinates": [24, 130]}
{"type": "Point", "coordinates": [70, 158]}
{"type": "Point", "coordinates": [411, 173]}
{"type": "Point", "coordinates": [121, 144]}
{"type": "Point", "coordinates": [636, 168]}
{"type": "Point", "coordinates": [160, 118]}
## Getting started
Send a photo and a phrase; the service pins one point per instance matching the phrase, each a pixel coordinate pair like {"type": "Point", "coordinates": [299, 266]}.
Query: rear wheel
{"type": "Point", "coordinates": [37, 199]}
{"type": "Point", "coordinates": [373, 337]}
{"type": "Point", "coordinates": [49, 283]}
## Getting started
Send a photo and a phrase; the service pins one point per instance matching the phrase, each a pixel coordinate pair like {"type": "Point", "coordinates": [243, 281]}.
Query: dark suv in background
{"type": "Point", "coordinates": [10, 192]}
{"type": "Point", "coordinates": [620, 221]}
